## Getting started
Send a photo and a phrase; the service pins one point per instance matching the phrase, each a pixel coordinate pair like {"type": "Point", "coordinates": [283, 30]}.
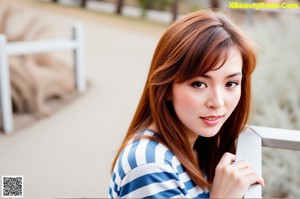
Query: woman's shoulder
{"type": "Point", "coordinates": [146, 168]}
{"type": "Point", "coordinates": [143, 150]}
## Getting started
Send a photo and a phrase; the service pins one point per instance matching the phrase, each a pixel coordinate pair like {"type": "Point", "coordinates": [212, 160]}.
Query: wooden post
{"type": "Point", "coordinates": [215, 4]}
{"type": "Point", "coordinates": [120, 4]}
{"type": "Point", "coordinates": [83, 3]}
{"type": "Point", "coordinates": [174, 9]}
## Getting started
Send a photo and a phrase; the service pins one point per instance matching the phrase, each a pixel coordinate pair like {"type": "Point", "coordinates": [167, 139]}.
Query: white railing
{"type": "Point", "coordinates": [75, 43]}
{"type": "Point", "coordinates": [251, 141]}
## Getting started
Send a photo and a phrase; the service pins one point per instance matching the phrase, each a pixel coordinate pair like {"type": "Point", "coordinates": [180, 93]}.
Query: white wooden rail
{"type": "Point", "coordinates": [251, 141]}
{"type": "Point", "coordinates": [75, 43]}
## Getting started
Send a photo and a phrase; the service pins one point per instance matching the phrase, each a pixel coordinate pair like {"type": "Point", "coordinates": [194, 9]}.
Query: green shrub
{"type": "Point", "coordinates": [153, 4]}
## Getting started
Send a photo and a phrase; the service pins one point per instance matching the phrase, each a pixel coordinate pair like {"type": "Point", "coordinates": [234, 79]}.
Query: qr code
{"type": "Point", "coordinates": [12, 186]}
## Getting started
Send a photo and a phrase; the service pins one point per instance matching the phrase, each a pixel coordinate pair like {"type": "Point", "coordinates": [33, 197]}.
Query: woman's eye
{"type": "Point", "coordinates": [198, 85]}
{"type": "Point", "coordinates": [232, 84]}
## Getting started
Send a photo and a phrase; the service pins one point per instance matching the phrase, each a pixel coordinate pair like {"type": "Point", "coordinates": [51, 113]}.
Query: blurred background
{"type": "Point", "coordinates": [63, 142]}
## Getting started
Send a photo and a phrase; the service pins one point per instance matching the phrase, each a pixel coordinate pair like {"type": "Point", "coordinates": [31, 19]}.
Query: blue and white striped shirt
{"type": "Point", "coordinates": [147, 169]}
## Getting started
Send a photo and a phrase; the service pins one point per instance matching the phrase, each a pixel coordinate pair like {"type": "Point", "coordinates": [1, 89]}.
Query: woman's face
{"type": "Point", "coordinates": [204, 103]}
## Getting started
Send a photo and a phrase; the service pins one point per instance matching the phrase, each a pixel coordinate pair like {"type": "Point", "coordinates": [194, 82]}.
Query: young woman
{"type": "Point", "coordinates": [195, 103]}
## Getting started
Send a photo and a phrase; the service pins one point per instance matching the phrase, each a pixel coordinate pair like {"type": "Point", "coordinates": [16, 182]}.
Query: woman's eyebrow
{"type": "Point", "coordinates": [232, 75]}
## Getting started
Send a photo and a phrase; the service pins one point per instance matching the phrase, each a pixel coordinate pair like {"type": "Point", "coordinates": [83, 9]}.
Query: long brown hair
{"type": "Point", "coordinates": [190, 47]}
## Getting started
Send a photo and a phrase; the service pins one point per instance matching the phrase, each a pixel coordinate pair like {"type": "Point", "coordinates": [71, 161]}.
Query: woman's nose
{"type": "Point", "coordinates": [215, 99]}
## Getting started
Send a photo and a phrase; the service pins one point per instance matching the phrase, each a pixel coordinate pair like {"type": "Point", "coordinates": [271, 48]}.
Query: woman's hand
{"type": "Point", "coordinates": [232, 180]}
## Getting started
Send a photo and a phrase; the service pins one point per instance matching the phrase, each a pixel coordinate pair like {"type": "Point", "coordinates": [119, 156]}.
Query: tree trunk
{"type": "Point", "coordinates": [54, 1]}
{"type": "Point", "coordinates": [120, 4]}
{"type": "Point", "coordinates": [175, 9]}
{"type": "Point", "coordinates": [215, 4]}
{"type": "Point", "coordinates": [83, 3]}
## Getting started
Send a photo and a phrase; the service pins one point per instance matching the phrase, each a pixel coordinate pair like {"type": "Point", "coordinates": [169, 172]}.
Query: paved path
{"type": "Point", "coordinates": [69, 154]}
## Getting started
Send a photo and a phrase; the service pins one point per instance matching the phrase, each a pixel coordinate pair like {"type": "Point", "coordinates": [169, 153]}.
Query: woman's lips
{"type": "Point", "coordinates": [211, 120]}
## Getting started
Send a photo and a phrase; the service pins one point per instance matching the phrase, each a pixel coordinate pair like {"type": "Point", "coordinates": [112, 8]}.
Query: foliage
{"type": "Point", "coordinates": [195, 7]}
{"type": "Point", "coordinates": [276, 85]}
{"type": "Point", "coordinates": [153, 4]}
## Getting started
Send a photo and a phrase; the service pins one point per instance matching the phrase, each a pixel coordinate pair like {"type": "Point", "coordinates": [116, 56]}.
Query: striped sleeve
{"type": "Point", "coordinates": [154, 180]}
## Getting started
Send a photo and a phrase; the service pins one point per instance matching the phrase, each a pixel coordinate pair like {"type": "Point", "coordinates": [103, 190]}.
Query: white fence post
{"type": "Point", "coordinates": [78, 37]}
{"type": "Point", "coordinates": [251, 141]}
{"type": "Point", "coordinates": [32, 47]}
{"type": "Point", "coordinates": [6, 104]}
{"type": "Point", "coordinates": [249, 148]}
